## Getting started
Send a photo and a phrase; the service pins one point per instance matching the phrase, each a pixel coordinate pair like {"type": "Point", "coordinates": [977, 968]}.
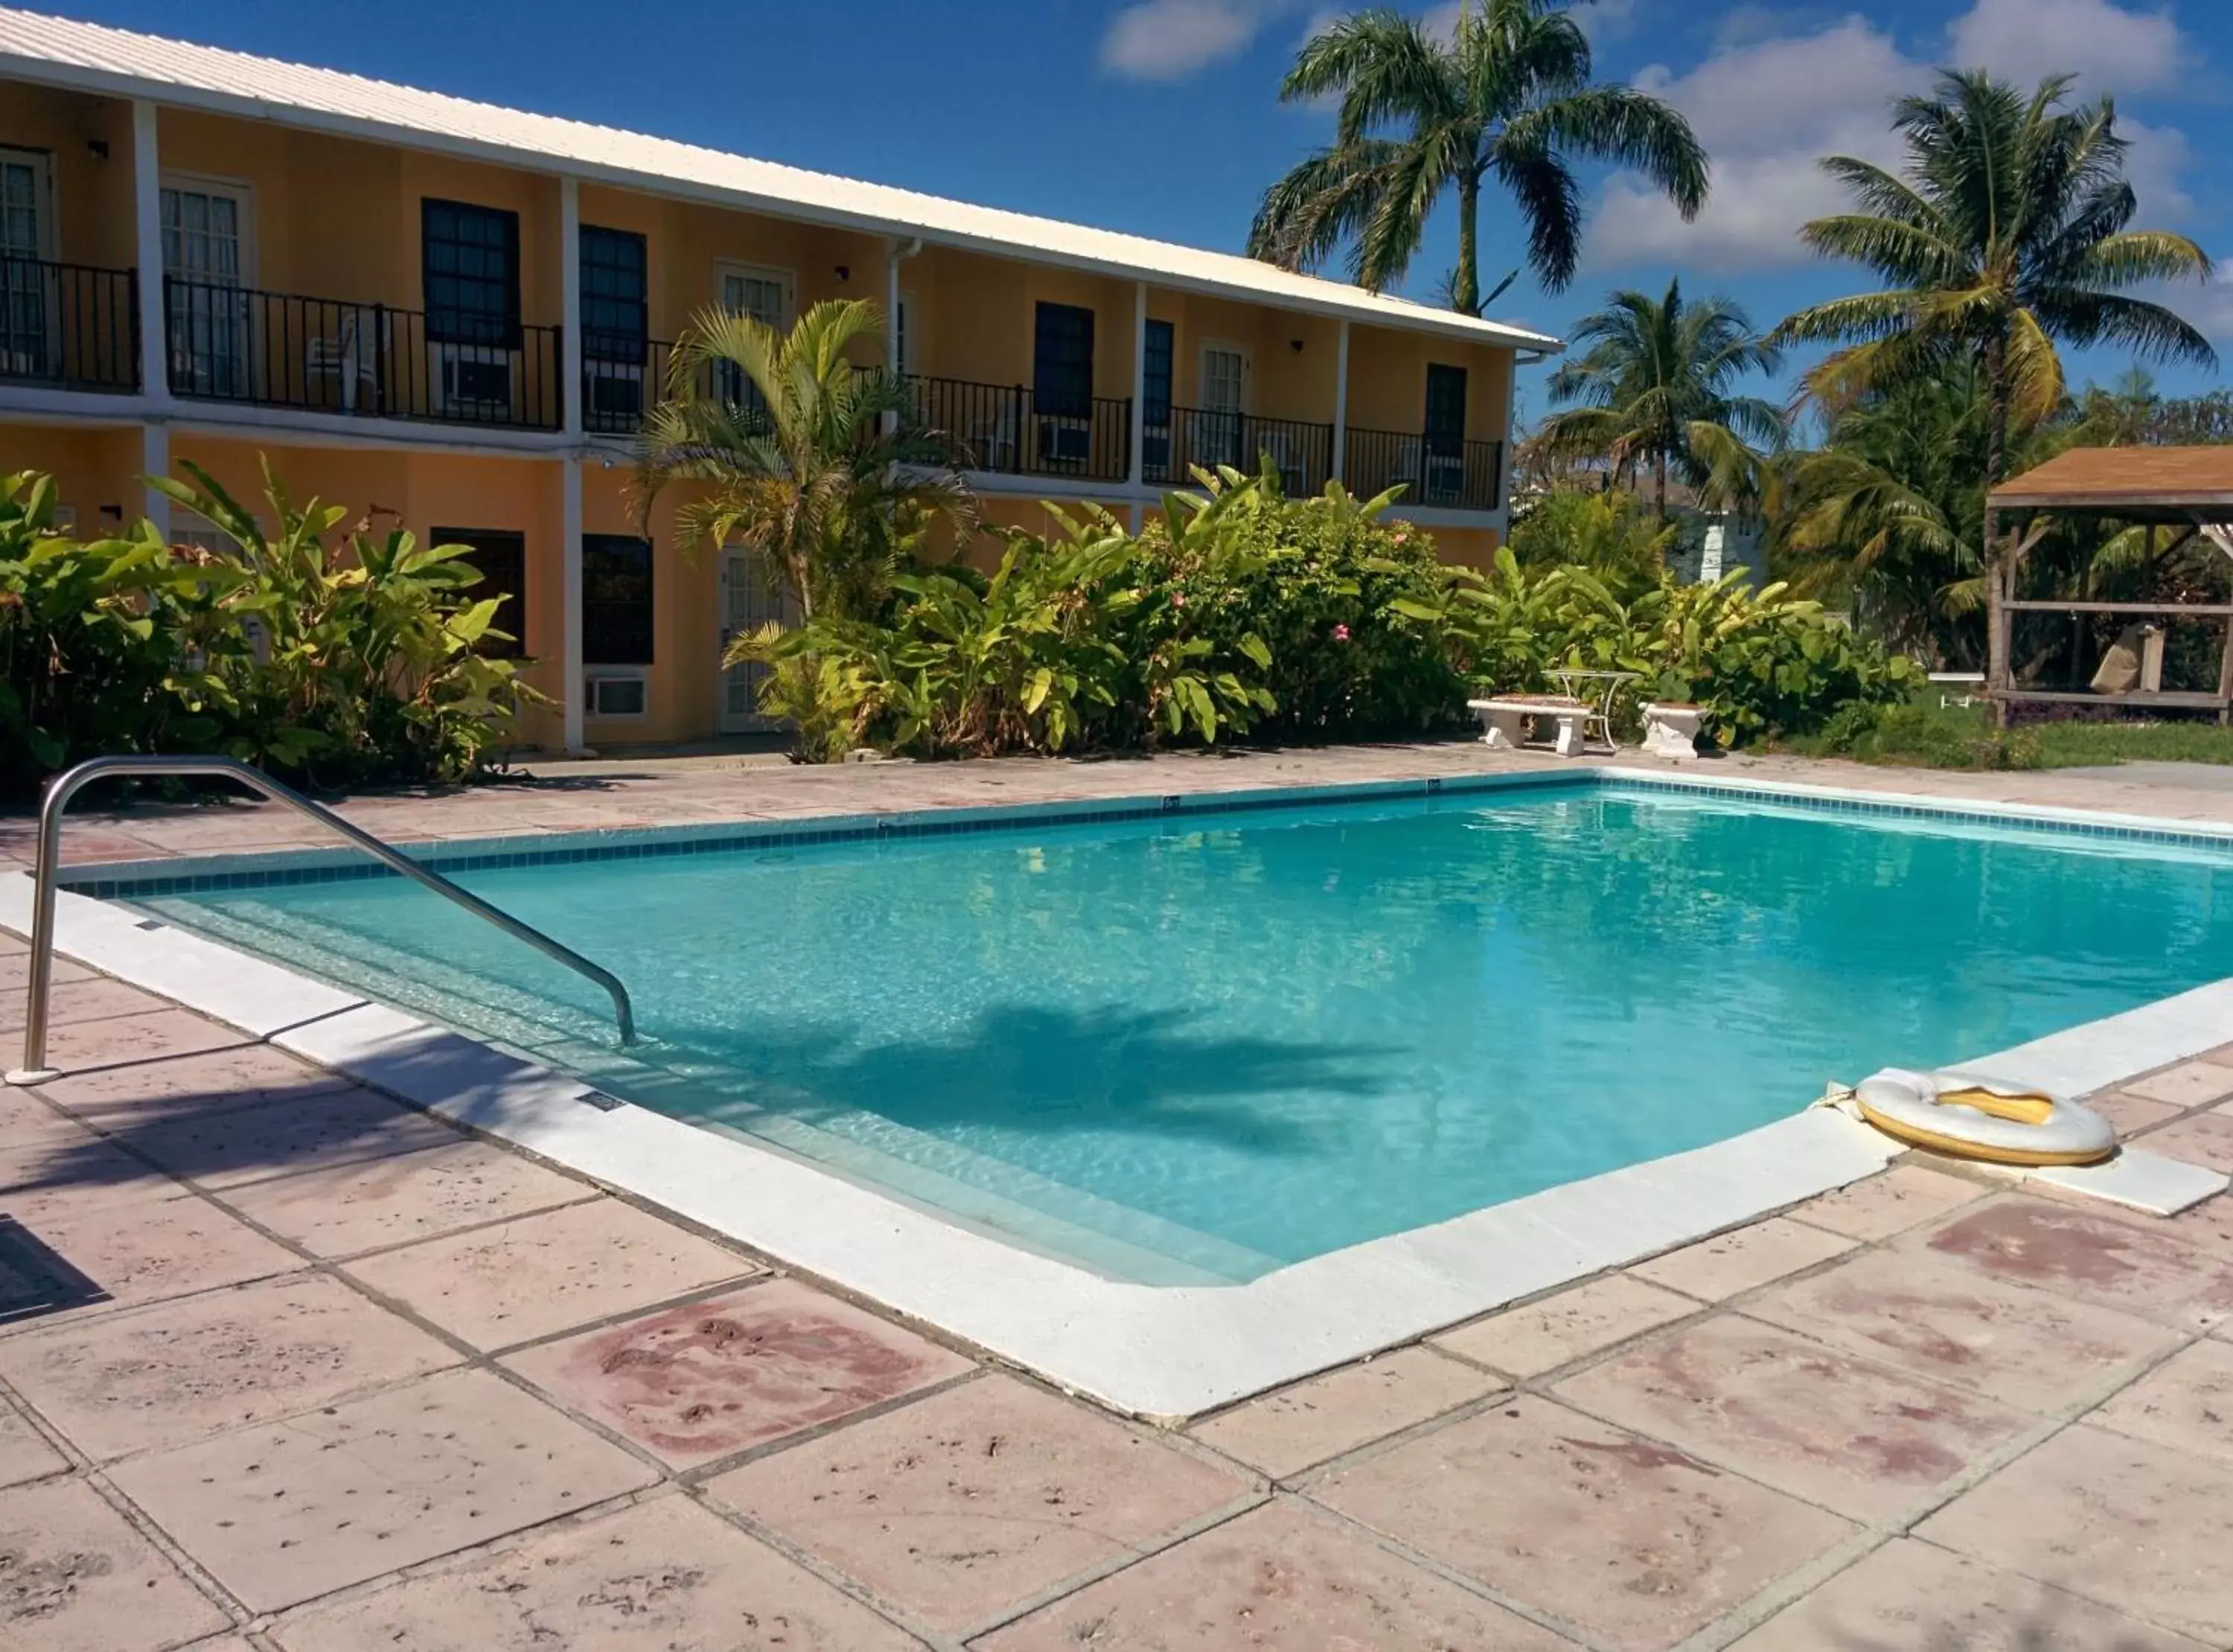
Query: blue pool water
{"type": "Point", "coordinates": [1202, 1046]}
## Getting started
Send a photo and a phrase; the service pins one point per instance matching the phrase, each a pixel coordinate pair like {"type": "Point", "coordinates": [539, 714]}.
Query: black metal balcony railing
{"type": "Point", "coordinates": [1007, 428]}
{"type": "Point", "coordinates": [623, 380]}
{"type": "Point", "coordinates": [269, 349]}
{"type": "Point", "coordinates": [1438, 471]}
{"type": "Point", "coordinates": [1210, 436]}
{"type": "Point", "coordinates": [69, 326]}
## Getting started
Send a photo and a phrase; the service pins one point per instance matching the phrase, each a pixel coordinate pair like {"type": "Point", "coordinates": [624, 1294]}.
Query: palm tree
{"type": "Point", "coordinates": [802, 455]}
{"type": "Point", "coordinates": [1656, 381]}
{"type": "Point", "coordinates": [2007, 230]}
{"type": "Point", "coordinates": [1507, 96]}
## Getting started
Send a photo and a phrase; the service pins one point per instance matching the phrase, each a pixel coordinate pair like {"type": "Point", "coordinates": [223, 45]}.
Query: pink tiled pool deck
{"type": "Point", "coordinates": [284, 1365]}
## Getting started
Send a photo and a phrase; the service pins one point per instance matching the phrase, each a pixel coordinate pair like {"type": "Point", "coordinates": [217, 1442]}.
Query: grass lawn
{"type": "Point", "coordinates": [1923, 734]}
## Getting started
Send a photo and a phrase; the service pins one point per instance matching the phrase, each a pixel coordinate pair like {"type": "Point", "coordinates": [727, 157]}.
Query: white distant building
{"type": "Point", "coordinates": [1709, 544]}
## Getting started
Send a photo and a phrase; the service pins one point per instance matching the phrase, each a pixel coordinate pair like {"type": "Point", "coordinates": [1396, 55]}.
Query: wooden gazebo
{"type": "Point", "coordinates": [2181, 490]}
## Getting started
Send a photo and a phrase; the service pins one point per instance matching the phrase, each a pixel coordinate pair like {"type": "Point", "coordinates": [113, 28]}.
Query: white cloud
{"type": "Point", "coordinates": [2114, 50]}
{"type": "Point", "coordinates": [1766, 109]}
{"type": "Point", "coordinates": [1768, 106]}
{"type": "Point", "coordinates": [1169, 39]}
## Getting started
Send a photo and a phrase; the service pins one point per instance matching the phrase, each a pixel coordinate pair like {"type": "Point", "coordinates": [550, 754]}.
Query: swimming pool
{"type": "Point", "coordinates": [1197, 1048]}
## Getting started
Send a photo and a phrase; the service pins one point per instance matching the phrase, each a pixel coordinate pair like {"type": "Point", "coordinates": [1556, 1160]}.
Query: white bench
{"type": "Point", "coordinates": [1504, 721]}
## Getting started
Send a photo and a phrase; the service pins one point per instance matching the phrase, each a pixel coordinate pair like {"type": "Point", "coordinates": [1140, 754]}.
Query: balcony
{"type": "Point", "coordinates": [1210, 436]}
{"type": "Point", "coordinates": [1443, 473]}
{"type": "Point", "coordinates": [266, 349]}
{"type": "Point", "coordinates": [1008, 429]}
{"type": "Point", "coordinates": [68, 326]}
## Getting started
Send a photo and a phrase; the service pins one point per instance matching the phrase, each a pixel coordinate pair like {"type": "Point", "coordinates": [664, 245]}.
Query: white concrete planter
{"type": "Point", "coordinates": [1671, 731]}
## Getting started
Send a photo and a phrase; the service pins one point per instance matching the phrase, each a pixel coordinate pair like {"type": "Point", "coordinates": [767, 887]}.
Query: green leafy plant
{"type": "Point", "coordinates": [93, 658]}
{"type": "Point", "coordinates": [345, 662]}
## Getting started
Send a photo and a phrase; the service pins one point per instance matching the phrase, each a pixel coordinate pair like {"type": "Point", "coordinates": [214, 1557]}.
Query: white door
{"type": "Point", "coordinates": [205, 265]}
{"type": "Point", "coordinates": [1224, 394]}
{"type": "Point", "coordinates": [750, 599]}
{"type": "Point", "coordinates": [28, 310]}
{"type": "Point", "coordinates": [764, 295]}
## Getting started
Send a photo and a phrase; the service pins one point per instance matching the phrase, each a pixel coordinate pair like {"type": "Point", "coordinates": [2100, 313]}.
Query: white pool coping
{"type": "Point", "coordinates": [1152, 1351]}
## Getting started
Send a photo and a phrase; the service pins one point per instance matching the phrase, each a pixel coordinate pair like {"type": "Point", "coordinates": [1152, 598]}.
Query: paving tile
{"type": "Point", "coordinates": [74, 1576]}
{"type": "Point", "coordinates": [283, 1513]}
{"type": "Point", "coordinates": [695, 1384]}
{"type": "Point", "coordinates": [2201, 1137]}
{"type": "Point", "coordinates": [1285, 1433]}
{"type": "Point", "coordinates": [1850, 1434]}
{"type": "Point", "coordinates": [1637, 1543]}
{"type": "Point", "coordinates": [245, 1075]}
{"type": "Point", "coordinates": [26, 1122]}
{"type": "Point", "coordinates": [231, 1146]}
{"type": "Point", "coordinates": [343, 1209]}
{"type": "Point", "coordinates": [2138, 1264]}
{"type": "Point", "coordinates": [1910, 1596]}
{"type": "Point", "coordinates": [16, 968]}
{"type": "Point", "coordinates": [1947, 1325]}
{"type": "Point", "coordinates": [1545, 1335]}
{"type": "Point", "coordinates": [128, 1040]}
{"type": "Point", "coordinates": [2208, 1227]}
{"type": "Point", "coordinates": [542, 1274]}
{"type": "Point", "coordinates": [2191, 1083]}
{"type": "Point", "coordinates": [1277, 1578]}
{"type": "Point", "coordinates": [91, 998]}
{"type": "Point", "coordinates": [2131, 1114]}
{"type": "Point", "coordinates": [144, 1250]}
{"type": "Point", "coordinates": [2136, 1525]}
{"type": "Point", "coordinates": [1742, 1259]}
{"type": "Point", "coordinates": [2186, 1404]}
{"type": "Point", "coordinates": [181, 1370]}
{"type": "Point", "coordinates": [1903, 1197]}
{"type": "Point", "coordinates": [962, 1506]}
{"type": "Point", "coordinates": [2223, 1056]}
{"type": "Point", "coordinates": [664, 1576]}
{"type": "Point", "coordinates": [24, 1455]}
{"type": "Point", "coordinates": [61, 1173]}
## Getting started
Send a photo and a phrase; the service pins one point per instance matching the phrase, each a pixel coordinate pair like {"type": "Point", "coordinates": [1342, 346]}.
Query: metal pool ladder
{"type": "Point", "coordinates": [66, 785]}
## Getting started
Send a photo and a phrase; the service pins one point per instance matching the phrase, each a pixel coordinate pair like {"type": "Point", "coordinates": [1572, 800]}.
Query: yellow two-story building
{"type": "Point", "coordinates": [457, 314]}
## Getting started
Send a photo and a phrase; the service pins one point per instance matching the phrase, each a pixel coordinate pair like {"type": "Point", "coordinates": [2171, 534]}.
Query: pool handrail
{"type": "Point", "coordinates": [64, 786]}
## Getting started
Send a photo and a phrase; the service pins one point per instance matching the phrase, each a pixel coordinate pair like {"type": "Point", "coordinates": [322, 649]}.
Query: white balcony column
{"type": "Point", "coordinates": [1340, 404]}
{"type": "Point", "coordinates": [1138, 469]}
{"type": "Point", "coordinates": [573, 685]}
{"type": "Point", "coordinates": [147, 250]}
{"type": "Point", "coordinates": [155, 460]}
{"type": "Point", "coordinates": [569, 314]}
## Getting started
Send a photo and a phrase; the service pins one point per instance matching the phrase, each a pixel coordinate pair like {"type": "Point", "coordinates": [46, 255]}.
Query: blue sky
{"type": "Point", "coordinates": [1159, 116]}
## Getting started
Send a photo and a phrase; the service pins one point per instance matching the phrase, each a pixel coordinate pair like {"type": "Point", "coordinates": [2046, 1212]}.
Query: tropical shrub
{"type": "Point", "coordinates": [92, 654]}
{"type": "Point", "coordinates": [351, 662]}
{"type": "Point", "coordinates": [344, 662]}
{"type": "Point", "coordinates": [1610, 532]}
{"type": "Point", "coordinates": [1759, 662]}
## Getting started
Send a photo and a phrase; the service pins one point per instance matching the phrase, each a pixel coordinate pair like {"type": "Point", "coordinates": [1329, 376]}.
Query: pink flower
{"type": "Point", "coordinates": [1341, 634]}
{"type": "Point", "coordinates": [1178, 598]}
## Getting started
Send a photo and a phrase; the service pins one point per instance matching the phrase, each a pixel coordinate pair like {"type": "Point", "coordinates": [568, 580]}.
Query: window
{"type": "Point", "coordinates": [1062, 371]}
{"type": "Point", "coordinates": [500, 559]}
{"type": "Point", "coordinates": [1224, 378]}
{"type": "Point", "coordinates": [471, 260]}
{"type": "Point", "coordinates": [616, 294]}
{"type": "Point", "coordinates": [204, 256]}
{"type": "Point", "coordinates": [626, 695]}
{"type": "Point", "coordinates": [615, 600]}
{"type": "Point", "coordinates": [1155, 378]}
{"type": "Point", "coordinates": [27, 307]}
{"type": "Point", "coordinates": [1446, 408]}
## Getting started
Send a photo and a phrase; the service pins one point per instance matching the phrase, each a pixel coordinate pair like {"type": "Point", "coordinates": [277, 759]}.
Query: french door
{"type": "Point", "coordinates": [1223, 397]}
{"type": "Point", "coordinates": [29, 306]}
{"type": "Point", "coordinates": [205, 265]}
{"type": "Point", "coordinates": [751, 597]}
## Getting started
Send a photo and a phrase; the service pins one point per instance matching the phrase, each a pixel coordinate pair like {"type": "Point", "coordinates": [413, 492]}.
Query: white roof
{"type": "Point", "coordinates": [120, 62]}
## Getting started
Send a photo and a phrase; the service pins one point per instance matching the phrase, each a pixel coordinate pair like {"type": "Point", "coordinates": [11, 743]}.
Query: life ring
{"type": "Point", "coordinates": [1969, 1120]}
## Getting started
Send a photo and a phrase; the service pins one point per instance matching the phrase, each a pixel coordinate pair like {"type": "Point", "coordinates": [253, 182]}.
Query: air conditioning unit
{"type": "Point", "coordinates": [1444, 481]}
{"type": "Point", "coordinates": [474, 381]}
{"type": "Point", "coordinates": [1065, 441]}
{"type": "Point", "coordinates": [612, 392]}
{"type": "Point", "coordinates": [617, 696]}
